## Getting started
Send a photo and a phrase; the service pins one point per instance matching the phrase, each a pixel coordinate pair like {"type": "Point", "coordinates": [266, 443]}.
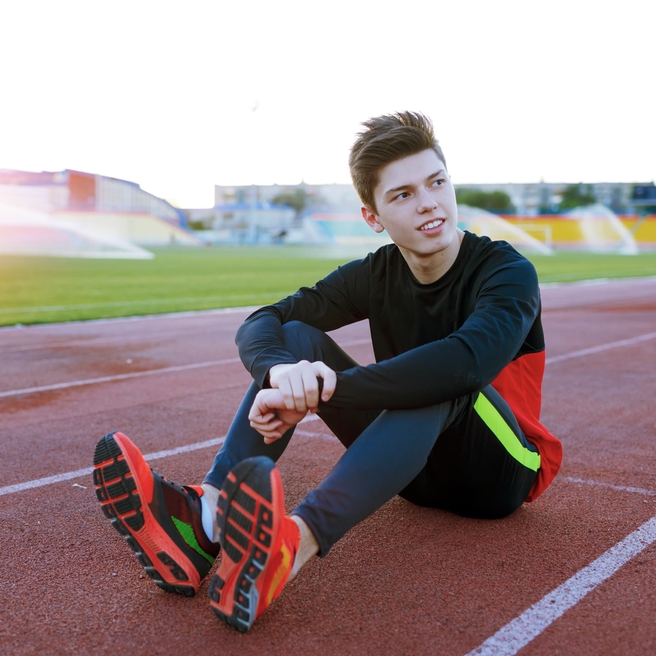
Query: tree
{"type": "Point", "coordinates": [299, 199]}
{"type": "Point", "coordinates": [577, 195]}
{"type": "Point", "coordinates": [492, 201]}
{"type": "Point", "coordinates": [643, 197]}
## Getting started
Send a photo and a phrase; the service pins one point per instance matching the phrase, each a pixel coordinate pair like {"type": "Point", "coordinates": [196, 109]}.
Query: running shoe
{"type": "Point", "coordinates": [160, 521]}
{"type": "Point", "coordinates": [259, 543]}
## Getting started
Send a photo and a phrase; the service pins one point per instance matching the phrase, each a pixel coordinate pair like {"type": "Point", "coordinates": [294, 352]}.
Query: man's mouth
{"type": "Point", "coordinates": [432, 224]}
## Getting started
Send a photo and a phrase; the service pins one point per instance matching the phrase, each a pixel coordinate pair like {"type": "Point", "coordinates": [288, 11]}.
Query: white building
{"type": "Point", "coordinates": [528, 199]}
{"type": "Point", "coordinates": [106, 208]}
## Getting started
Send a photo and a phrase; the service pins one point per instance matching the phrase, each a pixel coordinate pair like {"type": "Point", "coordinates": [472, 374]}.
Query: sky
{"type": "Point", "coordinates": [180, 96]}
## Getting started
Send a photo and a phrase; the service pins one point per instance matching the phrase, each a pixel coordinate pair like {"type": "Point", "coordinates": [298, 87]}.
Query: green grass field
{"type": "Point", "coordinates": [45, 290]}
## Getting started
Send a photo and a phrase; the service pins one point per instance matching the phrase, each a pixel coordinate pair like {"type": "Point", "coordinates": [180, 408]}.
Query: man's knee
{"type": "Point", "coordinates": [294, 329]}
{"type": "Point", "coordinates": [306, 342]}
{"type": "Point", "coordinates": [302, 340]}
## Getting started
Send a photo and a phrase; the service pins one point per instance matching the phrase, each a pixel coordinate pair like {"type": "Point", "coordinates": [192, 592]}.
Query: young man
{"type": "Point", "coordinates": [448, 416]}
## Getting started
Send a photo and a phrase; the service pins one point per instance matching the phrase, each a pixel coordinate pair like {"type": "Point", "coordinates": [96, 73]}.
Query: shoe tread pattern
{"type": "Point", "coordinates": [117, 492]}
{"type": "Point", "coordinates": [245, 520]}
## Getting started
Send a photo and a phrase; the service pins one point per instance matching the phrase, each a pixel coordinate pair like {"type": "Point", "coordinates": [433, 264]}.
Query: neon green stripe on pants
{"type": "Point", "coordinates": [497, 424]}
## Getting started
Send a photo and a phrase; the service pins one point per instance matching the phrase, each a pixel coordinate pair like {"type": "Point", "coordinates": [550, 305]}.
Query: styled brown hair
{"type": "Point", "coordinates": [386, 139]}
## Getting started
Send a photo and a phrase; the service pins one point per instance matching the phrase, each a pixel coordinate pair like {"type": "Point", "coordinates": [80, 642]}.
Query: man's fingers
{"type": "Point", "coordinates": [299, 387]}
{"type": "Point", "coordinates": [260, 412]}
{"type": "Point", "coordinates": [311, 388]}
{"type": "Point", "coordinates": [271, 424]}
{"type": "Point", "coordinates": [292, 384]}
{"type": "Point", "coordinates": [262, 419]}
{"type": "Point", "coordinates": [299, 400]}
{"type": "Point", "coordinates": [329, 384]}
{"type": "Point", "coordinates": [264, 405]}
{"type": "Point", "coordinates": [329, 378]}
{"type": "Point", "coordinates": [272, 430]}
{"type": "Point", "coordinates": [287, 393]}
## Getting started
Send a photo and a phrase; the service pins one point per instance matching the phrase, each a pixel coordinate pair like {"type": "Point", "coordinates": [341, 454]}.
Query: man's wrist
{"type": "Point", "coordinates": [279, 367]}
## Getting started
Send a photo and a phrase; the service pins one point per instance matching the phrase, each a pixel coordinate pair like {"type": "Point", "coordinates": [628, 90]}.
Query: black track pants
{"type": "Point", "coordinates": [481, 465]}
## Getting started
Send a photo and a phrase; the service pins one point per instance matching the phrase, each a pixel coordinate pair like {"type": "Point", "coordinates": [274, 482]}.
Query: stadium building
{"type": "Point", "coordinates": [72, 213]}
{"type": "Point", "coordinates": [528, 199]}
{"type": "Point", "coordinates": [622, 214]}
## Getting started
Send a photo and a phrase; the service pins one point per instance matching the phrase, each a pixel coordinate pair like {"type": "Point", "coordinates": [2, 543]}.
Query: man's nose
{"type": "Point", "coordinates": [427, 201]}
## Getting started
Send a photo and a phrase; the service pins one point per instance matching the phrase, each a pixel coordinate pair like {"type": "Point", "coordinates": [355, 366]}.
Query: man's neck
{"type": "Point", "coordinates": [430, 268]}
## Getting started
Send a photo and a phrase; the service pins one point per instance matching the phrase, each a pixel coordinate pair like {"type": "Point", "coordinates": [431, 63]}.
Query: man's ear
{"type": "Point", "coordinates": [371, 219]}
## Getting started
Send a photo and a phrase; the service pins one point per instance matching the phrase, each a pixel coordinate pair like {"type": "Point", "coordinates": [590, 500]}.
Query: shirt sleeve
{"type": "Point", "coordinates": [337, 300]}
{"type": "Point", "coordinates": [506, 305]}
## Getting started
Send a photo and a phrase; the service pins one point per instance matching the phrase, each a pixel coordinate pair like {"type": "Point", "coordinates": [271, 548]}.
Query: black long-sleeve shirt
{"type": "Point", "coordinates": [432, 343]}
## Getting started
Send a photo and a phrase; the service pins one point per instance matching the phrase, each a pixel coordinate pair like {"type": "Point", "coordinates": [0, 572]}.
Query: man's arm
{"type": "Point", "coordinates": [470, 358]}
{"type": "Point", "coordinates": [337, 300]}
{"type": "Point", "coordinates": [300, 386]}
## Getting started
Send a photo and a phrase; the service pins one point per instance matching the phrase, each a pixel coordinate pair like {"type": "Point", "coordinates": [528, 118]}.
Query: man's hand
{"type": "Point", "coordinates": [299, 386]}
{"type": "Point", "coordinates": [269, 416]}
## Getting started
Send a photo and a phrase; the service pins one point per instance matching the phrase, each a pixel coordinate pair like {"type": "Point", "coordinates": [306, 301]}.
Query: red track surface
{"type": "Point", "coordinates": [406, 581]}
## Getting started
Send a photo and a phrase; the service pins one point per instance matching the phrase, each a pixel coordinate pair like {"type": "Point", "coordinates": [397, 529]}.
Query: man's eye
{"type": "Point", "coordinates": [402, 195]}
{"type": "Point", "coordinates": [439, 182]}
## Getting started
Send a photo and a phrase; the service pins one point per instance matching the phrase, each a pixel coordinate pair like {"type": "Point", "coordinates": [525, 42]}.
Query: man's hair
{"type": "Point", "coordinates": [386, 139]}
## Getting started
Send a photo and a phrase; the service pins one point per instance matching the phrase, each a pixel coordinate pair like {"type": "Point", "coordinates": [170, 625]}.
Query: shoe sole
{"type": "Point", "coordinates": [245, 517]}
{"type": "Point", "coordinates": [120, 494]}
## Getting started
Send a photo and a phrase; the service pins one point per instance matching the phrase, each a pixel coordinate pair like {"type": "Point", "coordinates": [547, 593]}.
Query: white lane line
{"type": "Point", "coordinates": [596, 281]}
{"type": "Point", "coordinates": [534, 620]}
{"type": "Point", "coordinates": [602, 347]}
{"type": "Point", "coordinates": [87, 471]}
{"type": "Point", "coordinates": [111, 379]}
{"type": "Point", "coordinates": [51, 328]}
{"type": "Point", "coordinates": [48, 480]}
{"type": "Point", "coordinates": [356, 342]}
{"type": "Point", "coordinates": [138, 374]}
{"type": "Point", "coordinates": [58, 478]}
{"type": "Point", "coordinates": [279, 294]}
{"type": "Point", "coordinates": [156, 455]}
{"type": "Point", "coordinates": [619, 488]}
{"type": "Point", "coordinates": [152, 301]}
{"type": "Point", "coordinates": [317, 436]}
{"type": "Point", "coordinates": [153, 372]}
{"type": "Point", "coordinates": [129, 340]}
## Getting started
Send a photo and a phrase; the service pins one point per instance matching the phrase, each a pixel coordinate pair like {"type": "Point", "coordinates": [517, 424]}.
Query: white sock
{"type": "Point", "coordinates": [207, 517]}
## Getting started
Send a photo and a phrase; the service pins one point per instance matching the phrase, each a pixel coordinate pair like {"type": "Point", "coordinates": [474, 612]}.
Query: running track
{"type": "Point", "coordinates": [575, 572]}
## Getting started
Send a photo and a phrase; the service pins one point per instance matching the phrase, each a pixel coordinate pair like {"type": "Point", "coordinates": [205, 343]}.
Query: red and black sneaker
{"type": "Point", "coordinates": [160, 521]}
{"type": "Point", "coordinates": [259, 543]}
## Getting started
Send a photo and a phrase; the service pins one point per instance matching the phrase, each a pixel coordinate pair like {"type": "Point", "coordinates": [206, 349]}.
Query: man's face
{"type": "Point", "coordinates": [416, 204]}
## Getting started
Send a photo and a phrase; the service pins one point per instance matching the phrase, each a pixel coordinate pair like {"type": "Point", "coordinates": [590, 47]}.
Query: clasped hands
{"type": "Point", "coordinates": [294, 392]}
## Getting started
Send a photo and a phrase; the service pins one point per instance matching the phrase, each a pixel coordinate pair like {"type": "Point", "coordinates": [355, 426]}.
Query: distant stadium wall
{"type": "Point", "coordinates": [41, 213]}
{"type": "Point", "coordinates": [139, 228]}
{"type": "Point", "coordinates": [555, 231]}
{"type": "Point", "coordinates": [561, 232]}
{"type": "Point", "coordinates": [77, 190]}
{"type": "Point", "coordinates": [344, 229]}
